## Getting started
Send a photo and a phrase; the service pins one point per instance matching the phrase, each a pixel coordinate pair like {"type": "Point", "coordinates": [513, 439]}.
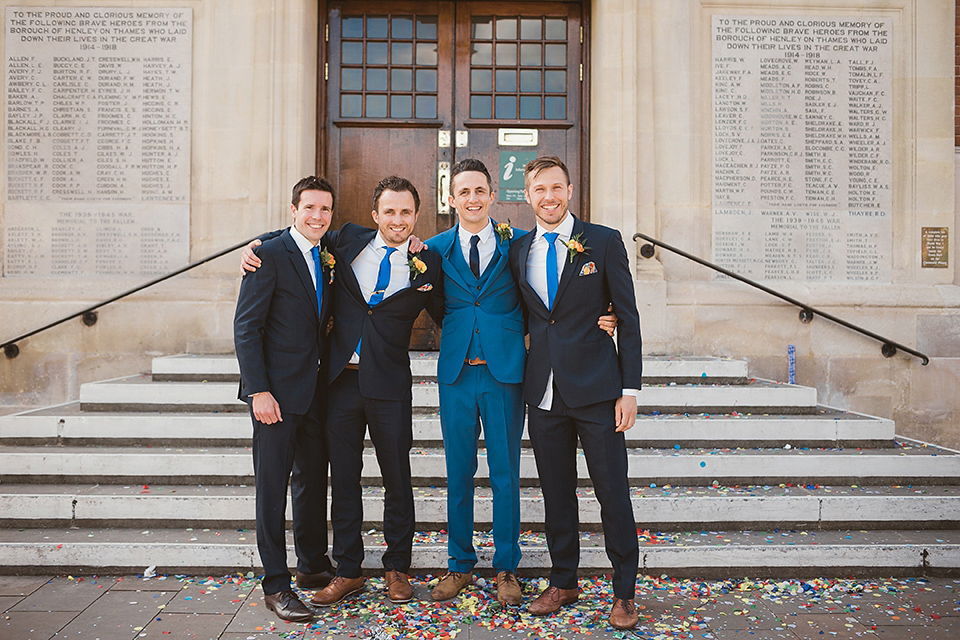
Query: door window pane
{"type": "Point", "coordinates": [555, 108]}
{"type": "Point", "coordinates": [376, 80]}
{"type": "Point", "coordinates": [352, 28]}
{"type": "Point", "coordinates": [530, 28]}
{"type": "Point", "coordinates": [376, 27]}
{"type": "Point", "coordinates": [481, 80]}
{"type": "Point", "coordinates": [401, 53]}
{"type": "Point", "coordinates": [556, 55]}
{"type": "Point", "coordinates": [401, 27]}
{"type": "Point", "coordinates": [506, 107]}
{"type": "Point", "coordinates": [351, 53]}
{"type": "Point", "coordinates": [351, 79]}
{"type": "Point", "coordinates": [481, 28]}
{"type": "Point", "coordinates": [427, 27]}
{"type": "Point", "coordinates": [480, 107]}
{"type": "Point", "coordinates": [426, 80]}
{"type": "Point", "coordinates": [426, 106]}
{"type": "Point", "coordinates": [506, 80]}
{"type": "Point", "coordinates": [376, 53]}
{"type": "Point", "coordinates": [427, 54]}
{"type": "Point", "coordinates": [351, 106]}
{"type": "Point", "coordinates": [530, 81]}
{"type": "Point", "coordinates": [401, 80]}
{"type": "Point", "coordinates": [530, 55]}
{"type": "Point", "coordinates": [556, 81]}
{"type": "Point", "coordinates": [401, 106]}
{"type": "Point", "coordinates": [506, 28]}
{"type": "Point", "coordinates": [482, 54]}
{"type": "Point", "coordinates": [556, 29]}
{"type": "Point", "coordinates": [376, 105]}
{"type": "Point", "coordinates": [530, 107]}
{"type": "Point", "coordinates": [506, 55]}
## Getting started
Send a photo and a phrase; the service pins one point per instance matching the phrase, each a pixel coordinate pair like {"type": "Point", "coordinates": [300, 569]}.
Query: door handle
{"type": "Point", "coordinates": [443, 183]}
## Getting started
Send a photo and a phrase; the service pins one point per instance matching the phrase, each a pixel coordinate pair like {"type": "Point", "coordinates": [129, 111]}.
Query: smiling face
{"type": "Point", "coordinates": [395, 216]}
{"type": "Point", "coordinates": [549, 193]}
{"type": "Point", "coordinates": [311, 216]}
{"type": "Point", "coordinates": [471, 196]}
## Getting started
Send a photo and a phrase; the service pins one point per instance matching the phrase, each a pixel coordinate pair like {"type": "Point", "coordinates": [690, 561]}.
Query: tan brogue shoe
{"type": "Point", "coordinates": [508, 588]}
{"type": "Point", "coordinates": [287, 606]}
{"type": "Point", "coordinates": [398, 587]}
{"type": "Point", "coordinates": [623, 615]}
{"type": "Point", "coordinates": [551, 600]}
{"type": "Point", "coordinates": [338, 589]}
{"type": "Point", "coordinates": [450, 585]}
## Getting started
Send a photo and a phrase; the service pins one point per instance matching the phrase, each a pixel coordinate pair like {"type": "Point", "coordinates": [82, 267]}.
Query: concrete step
{"type": "Point", "coordinates": [664, 509]}
{"type": "Point", "coordinates": [423, 364]}
{"type": "Point", "coordinates": [826, 427]}
{"type": "Point", "coordinates": [141, 393]}
{"type": "Point", "coordinates": [703, 554]}
{"type": "Point", "coordinates": [906, 463]}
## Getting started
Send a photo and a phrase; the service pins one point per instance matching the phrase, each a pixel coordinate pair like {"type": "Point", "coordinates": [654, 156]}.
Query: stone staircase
{"type": "Point", "coordinates": [731, 475]}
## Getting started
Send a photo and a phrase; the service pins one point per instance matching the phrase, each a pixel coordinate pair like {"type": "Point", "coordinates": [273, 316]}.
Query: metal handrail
{"type": "Point", "coordinates": [11, 350]}
{"type": "Point", "coordinates": [889, 348]}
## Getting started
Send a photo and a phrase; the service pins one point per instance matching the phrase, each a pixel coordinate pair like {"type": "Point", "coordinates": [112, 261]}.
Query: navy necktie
{"type": "Point", "coordinates": [318, 274]}
{"type": "Point", "coordinates": [475, 255]}
{"type": "Point", "coordinates": [553, 278]}
{"type": "Point", "coordinates": [383, 278]}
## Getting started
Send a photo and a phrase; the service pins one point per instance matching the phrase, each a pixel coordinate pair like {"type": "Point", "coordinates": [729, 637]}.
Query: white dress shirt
{"type": "Point", "coordinates": [486, 246]}
{"type": "Point", "coordinates": [366, 266]}
{"type": "Point", "coordinates": [537, 277]}
{"type": "Point", "coordinates": [305, 248]}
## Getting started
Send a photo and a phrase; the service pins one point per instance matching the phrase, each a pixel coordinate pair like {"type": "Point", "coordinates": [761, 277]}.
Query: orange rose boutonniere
{"type": "Point", "coordinates": [504, 230]}
{"type": "Point", "coordinates": [328, 262]}
{"type": "Point", "coordinates": [417, 266]}
{"type": "Point", "coordinates": [575, 246]}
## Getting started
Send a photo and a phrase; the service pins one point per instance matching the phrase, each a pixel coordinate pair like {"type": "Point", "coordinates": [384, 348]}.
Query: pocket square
{"type": "Point", "coordinates": [426, 287]}
{"type": "Point", "coordinates": [588, 269]}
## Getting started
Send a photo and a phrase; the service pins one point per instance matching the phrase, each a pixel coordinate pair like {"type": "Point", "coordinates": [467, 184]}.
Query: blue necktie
{"type": "Point", "coordinates": [475, 255]}
{"type": "Point", "coordinates": [553, 278]}
{"type": "Point", "coordinates": [383, 277]}
{"type": "Point", "coordinates": [318, 273]}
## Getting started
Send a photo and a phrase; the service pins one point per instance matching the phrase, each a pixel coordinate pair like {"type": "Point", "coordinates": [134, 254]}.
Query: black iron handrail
{"type": "Point", "coordinates": [889, 348]}
{"type": "Point", "coordinates": [11, 350]}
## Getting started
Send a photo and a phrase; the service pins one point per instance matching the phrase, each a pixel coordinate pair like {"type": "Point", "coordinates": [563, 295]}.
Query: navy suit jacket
{"type": "Point", "coordinates": [490, 313]}
{"type": "Point", "coordinates": [587, 366]}
{"type": "Point", "coordinates": [386, 327]}
{"type": "Point", "coordinates": [278, 330]}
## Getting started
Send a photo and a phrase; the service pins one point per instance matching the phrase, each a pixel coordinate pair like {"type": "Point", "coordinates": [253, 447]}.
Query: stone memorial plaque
{"type": "Point", "coordinates": [98, 140]}
{"type": "Point", "coordinates": [934, 251]}
{"type": "Point", "coordinates": [802, 147]}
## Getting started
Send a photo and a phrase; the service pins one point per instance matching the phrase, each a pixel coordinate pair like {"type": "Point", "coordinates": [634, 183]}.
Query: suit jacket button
{"type": "Point", "coordinates": [369, 312]}
{"type": "Point", "coordinates": [552, 321]}
{"type": "Point", "coordinates": [477, 303]}
{"type": "Point", "coordinates": [478, 287]}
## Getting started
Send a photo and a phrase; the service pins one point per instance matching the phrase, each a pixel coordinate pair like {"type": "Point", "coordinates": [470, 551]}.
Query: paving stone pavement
{"type": "Point", "coordinates": [231, 608]}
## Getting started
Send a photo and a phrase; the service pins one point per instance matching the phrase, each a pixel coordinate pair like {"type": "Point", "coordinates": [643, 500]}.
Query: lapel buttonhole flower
{"type": "Point", "coordinates": [417, 266]}
{"type": "Point", "coordinates": [504, 230]}
{"type": "Point", "coordinates": [575, 246]}
{"type": "Point", "coordinates": [328, 262]}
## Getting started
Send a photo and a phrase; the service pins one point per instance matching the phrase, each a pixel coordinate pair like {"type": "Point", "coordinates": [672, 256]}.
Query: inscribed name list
{"type": "Point", "coordinates": [97, 140]}
{"type": "Point", "coordinates": [803, 147]}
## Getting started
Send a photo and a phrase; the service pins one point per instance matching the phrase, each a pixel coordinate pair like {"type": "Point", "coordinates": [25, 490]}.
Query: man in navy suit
{"type": "Point", "coordinates": [281, 314]}
{"type": "Point", "coordinates": [578, 384]}
{"type": "Point", "coordinates": [379, 290]}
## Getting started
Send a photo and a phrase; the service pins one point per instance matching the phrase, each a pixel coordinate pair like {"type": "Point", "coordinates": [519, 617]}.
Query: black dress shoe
{"type": "Point", "coordinates": [287, 606]}
{"type": "Point", "coordinates": [314, 580]}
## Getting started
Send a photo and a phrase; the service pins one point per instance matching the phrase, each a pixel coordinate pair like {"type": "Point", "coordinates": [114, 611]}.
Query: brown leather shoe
{"type": "Point", "coordinates": [338, 589]}
{"type": "Point", "coordinates": [552, 599]}
{"type": "Point", "coordinates": [398, 587]}
{"type": "Point", "coordinates": [287, 606]}
{"type": "Point", "coordinates": [450, 585]}
{"type": "Point", "coordinates": [314, 581]}
{"type": "Point", "coordinates": [623, 615]}
{"type": "Point", "coordinates": [508, 588]}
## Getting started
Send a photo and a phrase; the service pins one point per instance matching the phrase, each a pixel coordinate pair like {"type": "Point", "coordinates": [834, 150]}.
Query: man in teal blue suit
{"type": "Point", "coordinates": [480, 371]}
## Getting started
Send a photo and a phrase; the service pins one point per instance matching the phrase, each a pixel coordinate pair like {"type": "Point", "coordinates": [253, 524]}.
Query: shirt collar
{"type": "Point", "coordinates": [378, 244]}
{"type": "Point", "coordinates": [564, 230]}
{"type": "Point", "coordinates": [485, 234]}
{"type": "Point", "coordinates": [302, 243]}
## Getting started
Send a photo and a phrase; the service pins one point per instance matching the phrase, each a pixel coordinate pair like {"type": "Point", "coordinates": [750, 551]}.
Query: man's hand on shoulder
{"type": "Point", "coordinates": [265, 408]}
{"type": "Point", "coordinates": [249, 260]}
{"type": "Point", "coordinates": [626, 412]}
{"type": "Point", "coordinates": [608, 322]}
{"type": "Point", "coordinates": [416, 244]}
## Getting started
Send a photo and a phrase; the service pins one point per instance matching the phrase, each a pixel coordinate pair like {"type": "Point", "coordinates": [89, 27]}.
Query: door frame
{"type": "Point", "coordinates": [581, 182]}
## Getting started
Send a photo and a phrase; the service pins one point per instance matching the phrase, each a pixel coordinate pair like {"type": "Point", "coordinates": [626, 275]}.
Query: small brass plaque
{"type": "Point", "coordinates": [935, 248]}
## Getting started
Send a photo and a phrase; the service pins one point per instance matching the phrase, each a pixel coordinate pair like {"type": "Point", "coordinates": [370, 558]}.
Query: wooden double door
{"type": "Point", "coordinates": [412, 87]}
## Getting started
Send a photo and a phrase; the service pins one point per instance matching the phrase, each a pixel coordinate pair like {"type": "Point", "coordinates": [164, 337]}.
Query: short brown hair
{"type": "Point", "coordinates": [311, 183]}
{"type": "Point", "coordinates": [398, 184]}
{"type": "Point", "coordinates": [534, 167]}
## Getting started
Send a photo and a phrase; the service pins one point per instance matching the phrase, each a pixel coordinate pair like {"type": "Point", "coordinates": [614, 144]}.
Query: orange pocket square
{"type": "Point", "coordinates": [588, 269]}
{"type": "Point", "coordinates": [426, 287]}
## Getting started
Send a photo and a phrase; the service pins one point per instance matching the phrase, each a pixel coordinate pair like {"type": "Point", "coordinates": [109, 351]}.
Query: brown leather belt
{"type": "Point", "coordinates": [350, 365]}
{"type": "Point", "coordinates": [475, 361]}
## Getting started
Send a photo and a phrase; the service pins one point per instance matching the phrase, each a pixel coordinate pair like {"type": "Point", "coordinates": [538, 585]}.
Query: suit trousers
{"type": "Point", "coordinates": [478, 398]}
{"type": "Point", "coordinates": [554, 435]}
{"type": "Point", "coordinates": [294, 451]}
{"type": "Point", "coordinates": [391, 430]}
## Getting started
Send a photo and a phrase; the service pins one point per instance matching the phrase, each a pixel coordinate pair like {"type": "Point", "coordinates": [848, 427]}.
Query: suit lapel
{"type": "Point", "coordinates": [525, 242]}
{"type": "Point", "coordinates": [570, 270]}
{"type": "Point", "coordinates": [446, 250]}
{"type": "Point", "coordinates": [499, 262]}
{"type": "Point", "coordinates": [352, 243]}
{"type": "Point", "coordinates": [300, 266]}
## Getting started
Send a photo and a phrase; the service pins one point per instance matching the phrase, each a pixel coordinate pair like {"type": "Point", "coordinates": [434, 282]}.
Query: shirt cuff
{"type": "Point", "coordinates": [630, 392]}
